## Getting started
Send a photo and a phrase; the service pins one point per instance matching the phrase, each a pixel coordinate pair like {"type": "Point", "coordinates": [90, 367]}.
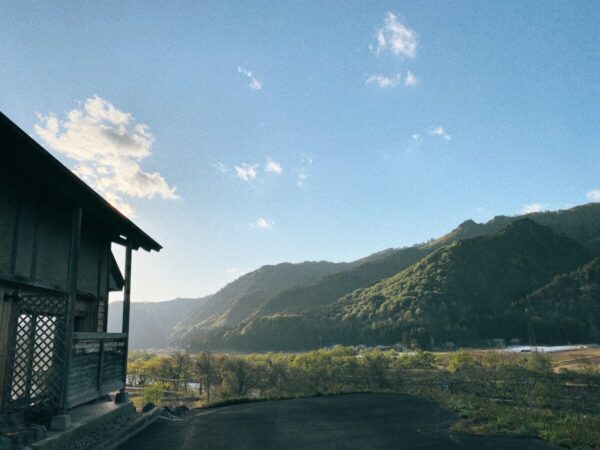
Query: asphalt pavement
{"type": "Point", "coordinates": [356, 421]}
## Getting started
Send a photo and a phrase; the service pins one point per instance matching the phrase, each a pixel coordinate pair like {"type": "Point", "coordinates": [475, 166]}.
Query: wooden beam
{"type": "Point", "coordinates": [72, 298]}
{"type": "Point", "coordinates": [84, 335]}
{"type": "Point", "coordinates": [23, 282]}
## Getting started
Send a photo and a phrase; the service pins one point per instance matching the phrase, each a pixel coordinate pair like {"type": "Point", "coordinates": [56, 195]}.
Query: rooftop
{"type": "Point", "coordinates": [24, 158]}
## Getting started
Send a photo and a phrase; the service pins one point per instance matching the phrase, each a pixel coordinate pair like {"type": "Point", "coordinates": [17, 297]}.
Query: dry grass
{"type": "Point", "coordinates": [567, 360]}
{"type": "Point", "coordinates": [575, 359]}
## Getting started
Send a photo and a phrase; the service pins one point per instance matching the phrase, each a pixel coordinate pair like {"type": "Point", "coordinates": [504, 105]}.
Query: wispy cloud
{"type": "Point", "coordinates": [273, 167]}
{"type": "Point", "coordinates": [221, 167]}
{"type": "Point", "coordinates": [246, 172]}
{"type": "Point", "coordinates": [532, 208]}
{"type": "Point", "coordinates": [439, 131]}
{"type": "Point", "coordinates": [396, 37]}
{"type": "Point", "coordinates": [303, 172]}
{"type": "Point", "coordinates": [107, 146]}
{"type": "Point", "coordinates": [237, 271]}
{"type": "Point", "coordinates": [390, 82]}
{"type": "Point", "coordinates": [263, 223]}
{"type": "Point", "coordinates": [416, 139]}
{"type": "Point", "coordinates": [254, 82]}
{"type": "Point", "coordinates": [594, 196]}
{"type": "Point", "coordinates": [414, 143]}
{"type": "Point", "coordinates": [384, 82]}
{"type": "Point", "coordinates": [410, 79]}
{"type": "Point", "coordinates": [302, 175]}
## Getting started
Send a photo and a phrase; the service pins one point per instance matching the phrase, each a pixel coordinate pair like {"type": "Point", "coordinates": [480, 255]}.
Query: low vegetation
{"type": "Point", "coordinates": [553, 398]}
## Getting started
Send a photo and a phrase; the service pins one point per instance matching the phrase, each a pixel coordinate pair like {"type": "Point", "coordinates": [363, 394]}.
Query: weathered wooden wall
{"type": "Point", "coordinates": [97, 367]}
{"type": "Point", "coordinates": [34, 253]}
{"type": "Point", "coordinates": [34, 250]}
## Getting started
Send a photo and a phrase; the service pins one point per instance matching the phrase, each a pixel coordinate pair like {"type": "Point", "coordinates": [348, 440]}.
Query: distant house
{"type": "Point", "coordinates": [56, 270]}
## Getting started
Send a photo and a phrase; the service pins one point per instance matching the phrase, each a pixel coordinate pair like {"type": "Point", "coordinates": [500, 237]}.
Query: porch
{"type": "Point", "coordinates": [98, 363]}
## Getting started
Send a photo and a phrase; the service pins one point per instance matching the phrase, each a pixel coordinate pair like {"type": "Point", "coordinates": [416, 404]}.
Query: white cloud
{"type": "Point", "coordinates": [273, 167]}
{"type": "Point", "coordinates": [594, 196]}
{"type": "Point", "coordinates": [439, 131]}
{"type": "Point", "coordinates": [415, 137]}
{"type": "Point", "coordinates": [532, 208]}
{"type": "Point", "coordinates": [384, 82]}
{"type": "Point", "coordinates": [108, 145]}
{"type": "Point", "coordinates": [263, 223]}
{"type": "Point", "coordinates": [221, 167]}
{"type": "Point", "coordinates": [396, 37]}
{"type": "Point", "coordinates": [410, 79]}
{"type": "Point", "coordinates": [254, 82]}
{"type": "Point", "coordinates": [246, 172]}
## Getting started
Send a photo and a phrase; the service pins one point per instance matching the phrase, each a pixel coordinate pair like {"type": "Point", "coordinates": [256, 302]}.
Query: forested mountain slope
{"type": "Point", "coordinates": [272, 295]}
{"type": "Point", "coordinates": [581, 223]}
{"type": "Point", "coordinates": [241, 298]}
{"type": "Point", "coordinates": [568, 308]}
{"type": "Point", "coordinates": [463, 292]}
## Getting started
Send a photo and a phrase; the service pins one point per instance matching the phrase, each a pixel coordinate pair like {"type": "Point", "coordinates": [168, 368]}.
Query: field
{"type": "Point", "coordinates": [575, 360]}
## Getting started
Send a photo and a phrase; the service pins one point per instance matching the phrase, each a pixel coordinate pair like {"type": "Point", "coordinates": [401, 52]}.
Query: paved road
{"type": "Point", "coordinates": [358, 421]}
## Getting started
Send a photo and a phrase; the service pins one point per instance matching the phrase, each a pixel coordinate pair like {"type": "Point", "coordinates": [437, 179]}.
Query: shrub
{"type": "Point", "coordinates": [539, 363]}
{"type": "Point", "coordinates": [153, 393]}
{"type": "Point", "coordinates": [461, 360]}
{"type": "Point", "coordinates": [417, 360]}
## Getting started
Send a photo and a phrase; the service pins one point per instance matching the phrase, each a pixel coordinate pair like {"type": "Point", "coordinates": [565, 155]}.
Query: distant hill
{"type": "Point", "coordinates": [294, 293]}
{"type": "Point", "coordinates": [243, 297]}
{"type": "Point", "coordinates": [151, 323]}
{"type": "Point", "coordinates": [332, 287]}
{"type": "Point", "coordinates": [459, 293]}
{"type": "Point", "coordinates": [568, 308]}
{"type": "Point", "coordinates": [581, 223]}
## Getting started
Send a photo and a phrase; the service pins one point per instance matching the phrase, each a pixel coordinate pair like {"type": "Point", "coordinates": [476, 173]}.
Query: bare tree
{"type": "Point", "coordinates": [205, 367]}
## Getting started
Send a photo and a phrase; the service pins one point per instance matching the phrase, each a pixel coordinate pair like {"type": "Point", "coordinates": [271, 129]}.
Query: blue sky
{"type": "Point", "coordinates": [499, 114]}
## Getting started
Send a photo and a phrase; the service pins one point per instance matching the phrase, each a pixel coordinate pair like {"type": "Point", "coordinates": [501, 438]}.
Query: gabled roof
{"type": "Point", "coordinates": [21, 156]}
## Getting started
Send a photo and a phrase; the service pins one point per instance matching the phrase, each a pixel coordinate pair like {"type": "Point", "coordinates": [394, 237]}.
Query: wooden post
{"type": "Point", "coordinates": [100, 366]}
{"type": "Point", "coordinates": [122, 396]}
{"type": "Point", "coordinates": [127, 289]}
{"type": "Point", "coordinates": [72, 298]}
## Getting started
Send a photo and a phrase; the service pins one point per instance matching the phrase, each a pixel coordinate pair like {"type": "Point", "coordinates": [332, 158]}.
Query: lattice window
{"type": "Point", "coordinates": [38, 351]}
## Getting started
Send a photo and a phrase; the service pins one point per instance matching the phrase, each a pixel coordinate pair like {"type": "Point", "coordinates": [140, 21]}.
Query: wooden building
{"type": "Point", "coordinates": [56, 271]}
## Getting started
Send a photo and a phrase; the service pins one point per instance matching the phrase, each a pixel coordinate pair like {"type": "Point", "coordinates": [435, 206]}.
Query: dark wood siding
{"type": "Point", "coordinates": [97, 366]}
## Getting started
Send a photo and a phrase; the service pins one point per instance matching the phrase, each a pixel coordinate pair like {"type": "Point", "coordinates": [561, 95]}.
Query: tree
{"type": "Point", "coordinates": [238, 375]}
{"type": "Point", "coordinates": [205, 368]}
{"type": "Point", "coordinates": [182, 364]}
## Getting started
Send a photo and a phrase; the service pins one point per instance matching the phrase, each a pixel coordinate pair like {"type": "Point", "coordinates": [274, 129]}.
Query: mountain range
{"type": "Point", "coordinates": [501, 278]}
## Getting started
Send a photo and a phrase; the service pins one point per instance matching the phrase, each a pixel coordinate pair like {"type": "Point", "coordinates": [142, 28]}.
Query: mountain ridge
{"type": "Point", "coordinates": [220, 313]}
